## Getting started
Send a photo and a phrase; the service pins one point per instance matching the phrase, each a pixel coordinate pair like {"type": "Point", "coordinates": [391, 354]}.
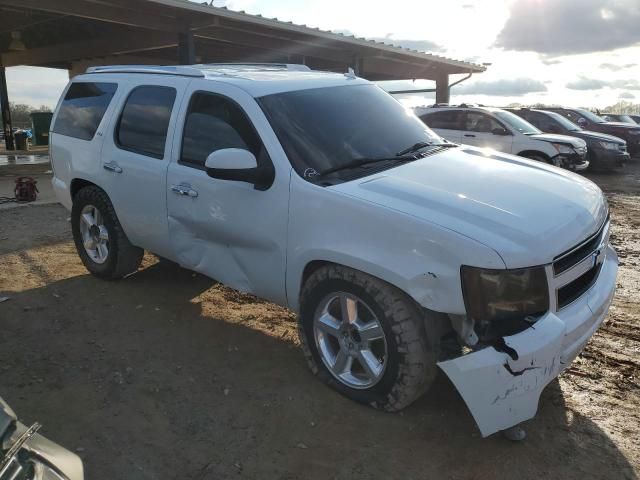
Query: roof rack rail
{"type": "Point", "coordinates": [181, 70]}
{"type": "Point", "coordinates": [292, 67]}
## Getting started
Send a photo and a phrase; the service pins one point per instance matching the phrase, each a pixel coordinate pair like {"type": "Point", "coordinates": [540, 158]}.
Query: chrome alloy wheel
{"type": "Point", "coordinates": [95, 237]}
{"type": "Point", "coordinates": [350, 340]}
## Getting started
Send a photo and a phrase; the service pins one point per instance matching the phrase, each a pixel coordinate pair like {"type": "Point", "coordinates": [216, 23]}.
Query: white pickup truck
{"type": "Point", "coordinates": [318, 191]}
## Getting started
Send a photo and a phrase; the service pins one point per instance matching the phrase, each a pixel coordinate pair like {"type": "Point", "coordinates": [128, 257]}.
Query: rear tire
{"type": "Point", "coordinates": [100, 241]}
{"type": "Point", "coordinates": [406, 357]}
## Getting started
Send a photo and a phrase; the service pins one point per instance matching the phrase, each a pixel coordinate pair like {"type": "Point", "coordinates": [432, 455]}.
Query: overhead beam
{"type": "Point", "coordinates": [264, 42]}
{"type": "Point", "coordinates": [101, 47]}
{"type": "Point", "coordinates": [98, 11]}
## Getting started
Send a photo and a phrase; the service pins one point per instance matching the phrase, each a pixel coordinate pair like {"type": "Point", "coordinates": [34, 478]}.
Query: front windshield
{"type": "Point", "coordinates": [565, 122]}
{"type": "Point", "coordinates": [517, 123]}
{"type": "Point", "coordinates": [327, 128]}
{"type": "Point", "coordinates": [592, 117]}
{"type": "Point", "coordinates": [625, 119]}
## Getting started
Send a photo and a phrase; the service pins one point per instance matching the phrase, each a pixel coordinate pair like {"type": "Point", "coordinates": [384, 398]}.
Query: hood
{"type": "Point", "coordinates": [589, 135]}
{"type": "Point", "coordinates": [620, 125]}
{"type": "Point", "coordinates": [552, 137]}
{"type": "Point", "coordinates": [526, 211]}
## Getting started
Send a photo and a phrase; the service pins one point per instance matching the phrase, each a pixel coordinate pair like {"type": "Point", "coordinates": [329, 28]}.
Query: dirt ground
{"type": "Point", "coordinates": [168, 375]}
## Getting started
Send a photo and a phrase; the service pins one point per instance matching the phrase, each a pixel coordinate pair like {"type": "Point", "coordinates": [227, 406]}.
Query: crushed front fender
{"type": "Point", "coordinates": [502, 387]}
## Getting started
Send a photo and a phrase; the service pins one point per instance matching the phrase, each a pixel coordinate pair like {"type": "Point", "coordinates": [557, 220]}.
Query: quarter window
{"type": "Point", "coordinates": [82, 109]}
{"type": "Point", "coordinates": [213, 123]}
{"type": "Point", "coordinates": [481, 123]}
{"type": "Point", "coordinates": [446, 120]}
{"type": "Point", "coordinates": [144, 121]}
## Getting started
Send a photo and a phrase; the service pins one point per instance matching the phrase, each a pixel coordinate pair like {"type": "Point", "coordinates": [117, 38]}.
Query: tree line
{"type": "Point", "coordinates": [20, 114]}
{"type": "Point", "coordinates": [623, 106]}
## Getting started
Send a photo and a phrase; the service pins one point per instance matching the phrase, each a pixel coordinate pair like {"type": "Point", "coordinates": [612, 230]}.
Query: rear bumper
{"type": "Point", "coordinates": [501, 391]}
{"type": "Point", "coordinates": [61, 190]}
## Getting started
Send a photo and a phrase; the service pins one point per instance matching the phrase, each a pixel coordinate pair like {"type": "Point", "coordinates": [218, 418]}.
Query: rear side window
{"type": "Point", "coordinates": [447, 120]}
{"type": "Point", "coordinates": [213, 123]}
{"type": "Point", "coordinates": [83, 108]}
{"type": "Point", "coordinates": [144, 121]}
{"type": "Point", "coordinates": [481, 123]}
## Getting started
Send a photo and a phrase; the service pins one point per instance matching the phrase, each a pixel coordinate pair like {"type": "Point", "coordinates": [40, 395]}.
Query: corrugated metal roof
{"type": "Point", "coordinates": [314, 31]}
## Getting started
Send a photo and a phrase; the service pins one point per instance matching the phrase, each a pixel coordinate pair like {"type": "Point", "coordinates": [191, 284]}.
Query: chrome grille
{"type": "Point", "coordinates": [576, 270]}
{"type": "Point", "coordinates": [576, 254]}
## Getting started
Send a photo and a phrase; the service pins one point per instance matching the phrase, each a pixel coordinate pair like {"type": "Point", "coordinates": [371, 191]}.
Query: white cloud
{"type": "Point", "coordinates": [561, 27]}
{"type": "Point", "coordinates": [36, 86]}
{"type": "Point", "coordinates": [502, 88]}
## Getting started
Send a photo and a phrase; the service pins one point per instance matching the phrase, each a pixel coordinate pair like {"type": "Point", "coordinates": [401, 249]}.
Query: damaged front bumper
{"type": "Point", "coordinates": [502, 389]}
{"type": "Point", "coordinates": [576, 162]}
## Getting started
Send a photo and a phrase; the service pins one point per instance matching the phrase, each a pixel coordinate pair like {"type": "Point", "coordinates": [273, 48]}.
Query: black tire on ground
{"type": "Point", "coordinates": [123, 258]}
{"type": "Point", "coordinates": [411, 363]}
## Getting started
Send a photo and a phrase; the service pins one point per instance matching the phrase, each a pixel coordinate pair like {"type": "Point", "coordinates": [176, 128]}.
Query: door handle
{"type": "Point", "coordinates": [185, 190]}
{"type": "Point", "coordinates": [469, 135]}
{"type": "Point", "coordinates": [112, 167]}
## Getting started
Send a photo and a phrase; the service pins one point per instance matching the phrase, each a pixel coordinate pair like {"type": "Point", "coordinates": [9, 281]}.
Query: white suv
{"type": "Point", "coordinates": [320, 192]}
{"type": "Point", "coordinates": [488, 127]}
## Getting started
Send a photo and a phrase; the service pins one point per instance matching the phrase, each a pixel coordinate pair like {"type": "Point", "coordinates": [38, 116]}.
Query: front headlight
{"type": "Point", "coordinates": [503, 302]}
{"type": "Point", "coordinates": [609, 145]}
{"type": "Point", "coordinates": [564, 149]}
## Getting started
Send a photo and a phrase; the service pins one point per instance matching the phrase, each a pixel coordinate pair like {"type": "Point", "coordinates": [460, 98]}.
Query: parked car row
{"type": "Point", "coordinates": [569, 138]}
{"type": "Point", "coordinates": [604, 152]}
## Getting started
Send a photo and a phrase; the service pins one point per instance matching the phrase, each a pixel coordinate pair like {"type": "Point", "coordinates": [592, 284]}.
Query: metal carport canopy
{"type": "Point", "coordinates": [75, 34]}
{"type": "Point", "coordinates": [60, 32]}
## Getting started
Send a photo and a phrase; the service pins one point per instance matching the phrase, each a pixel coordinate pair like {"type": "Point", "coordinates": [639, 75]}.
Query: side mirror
{"type": "Point", "coordinates": [500, 131]}
{"type": "Point", "coordinates": [582, 122]}
{"type": "Point", "coordinates": [237, 164]}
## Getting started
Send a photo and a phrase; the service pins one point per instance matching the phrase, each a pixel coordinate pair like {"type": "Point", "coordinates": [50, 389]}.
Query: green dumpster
{"type": "Point", "coordinates": [41, 121]}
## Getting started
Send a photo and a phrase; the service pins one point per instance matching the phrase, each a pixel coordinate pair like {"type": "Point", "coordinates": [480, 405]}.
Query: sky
{"type": "Point", "coordinates": [569, 52]}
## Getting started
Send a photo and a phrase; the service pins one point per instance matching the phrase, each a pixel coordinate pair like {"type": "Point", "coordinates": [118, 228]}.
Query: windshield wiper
{"type": "Point", "coordinates": [414, 148]}
{"type": "Point", "coordinates": [358, 162]}
{"type": "Point", "coordinates": [447, 145]}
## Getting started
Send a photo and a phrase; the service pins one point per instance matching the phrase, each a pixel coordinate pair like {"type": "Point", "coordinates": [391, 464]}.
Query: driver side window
{"type": "Point", "coordinates": [212, 123]}
{"type": "Point", "coordinates": [481, 123]}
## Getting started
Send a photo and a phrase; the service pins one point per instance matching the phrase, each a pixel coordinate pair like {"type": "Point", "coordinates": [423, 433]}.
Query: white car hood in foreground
{"type": "Point", "coordinates": [526, 211]}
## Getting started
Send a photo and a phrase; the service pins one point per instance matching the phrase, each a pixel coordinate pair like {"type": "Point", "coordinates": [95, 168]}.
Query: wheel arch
{"type": "Point", "coordinates": [78, 184]}
{"type": "Point", "coordinates": [537, 153]}
{"type": "Point", "coordinates": [375, 271]}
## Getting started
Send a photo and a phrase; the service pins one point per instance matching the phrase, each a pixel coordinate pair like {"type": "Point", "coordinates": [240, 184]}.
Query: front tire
{"type": "Point", "coordinates": [100, 241]}
{"type": "Point", "coordinates": [365, 338]}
